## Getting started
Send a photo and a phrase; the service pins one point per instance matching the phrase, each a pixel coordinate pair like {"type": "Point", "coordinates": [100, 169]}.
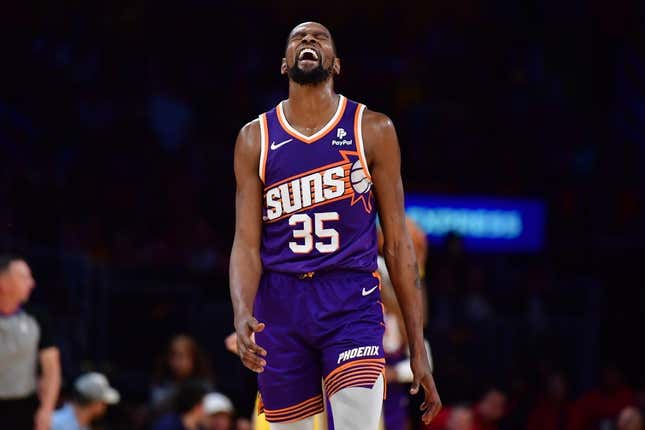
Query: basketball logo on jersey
{"type": "Point", "coordinates": [344, 179]}
{"type": "Point", "coordinates": [359, 181]}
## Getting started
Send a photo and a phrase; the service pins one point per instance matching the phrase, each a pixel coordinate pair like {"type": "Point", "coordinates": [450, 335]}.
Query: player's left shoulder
{"type": "Point", "coordinates": [376, 123]}
{"type": "Point", "coordinates": [378, 134]}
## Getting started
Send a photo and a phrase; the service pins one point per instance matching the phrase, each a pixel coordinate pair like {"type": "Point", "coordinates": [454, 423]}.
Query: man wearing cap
{"type": "Point", "coordinates": [219, 412]}
{"type": "Point", "coordinates": [92, 395]}
{"type": "Point", "coordinates": [27, 397]}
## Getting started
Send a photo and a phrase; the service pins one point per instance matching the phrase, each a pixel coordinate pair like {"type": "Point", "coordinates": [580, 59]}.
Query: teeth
{"type": "Point", "coordinates": [304, 51]}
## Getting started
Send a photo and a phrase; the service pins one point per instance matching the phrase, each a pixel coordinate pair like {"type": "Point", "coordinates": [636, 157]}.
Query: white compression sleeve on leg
{"type": "Point", "coordinates": [357, 408]}
{"type": "Point", "coordinates": [306, 424]}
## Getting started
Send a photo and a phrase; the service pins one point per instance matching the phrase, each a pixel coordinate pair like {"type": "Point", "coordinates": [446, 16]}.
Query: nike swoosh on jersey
{"type": "Point", "coordinates": [275, 146]}
{"type": "Point", "coordinates": [368, 292]}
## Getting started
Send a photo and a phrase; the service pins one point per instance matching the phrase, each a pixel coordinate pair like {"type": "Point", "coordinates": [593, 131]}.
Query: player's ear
{"type": "Point", "coordinates": [336, 66]}
{"type": "Point", "coordinates": [283, 67]}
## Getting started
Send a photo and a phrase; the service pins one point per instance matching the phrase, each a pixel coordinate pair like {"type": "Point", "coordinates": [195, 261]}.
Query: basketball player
{"type": "Point", "coordinates": [395, 346]}
{"type": "Point", "coordinates": [303, 263]}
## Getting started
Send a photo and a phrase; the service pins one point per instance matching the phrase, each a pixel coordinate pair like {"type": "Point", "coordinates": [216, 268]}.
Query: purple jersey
{"type": "Point", "coordinates": [318, 210]}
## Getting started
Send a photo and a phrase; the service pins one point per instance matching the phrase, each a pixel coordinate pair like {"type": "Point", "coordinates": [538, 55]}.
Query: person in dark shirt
{"type": "Point", "coordinates": [490, 409]}
{"type": "Point", "coordinates": [183, 360]}
{"type": "Point", "coordinates": [600, 406]}
{"type": "Point", "coordinates": [630, 418]}
{"type": "Point", "coordinates": [26, 400]}
{"type": "Point", "coordinates": [189, 411]}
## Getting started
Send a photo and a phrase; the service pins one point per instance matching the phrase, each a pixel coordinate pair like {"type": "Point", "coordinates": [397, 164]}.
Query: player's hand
{"type": "Point", "coordinates": [423, 377]}
{"type": "Point", "coordinates": [250, 352]}
{"type": "Point", "coordinates": [42, 419]}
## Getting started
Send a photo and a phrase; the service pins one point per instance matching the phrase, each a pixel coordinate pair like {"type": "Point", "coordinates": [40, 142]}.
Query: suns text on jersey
{"type": "Point", "coordinates": [306, 191]}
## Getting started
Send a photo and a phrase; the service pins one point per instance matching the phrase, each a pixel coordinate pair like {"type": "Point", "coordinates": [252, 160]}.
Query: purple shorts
{"type": "Point", "coordinates": [328, 327]}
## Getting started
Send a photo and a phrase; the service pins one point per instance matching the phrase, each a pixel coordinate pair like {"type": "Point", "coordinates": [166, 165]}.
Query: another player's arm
{"type": "Point", "coordinates": [384, 159]}
{"type": "Point", "coordinates": [245, 266]}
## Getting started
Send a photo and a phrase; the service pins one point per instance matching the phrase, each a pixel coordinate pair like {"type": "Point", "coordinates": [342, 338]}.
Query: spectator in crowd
{"type": "Point", "coordinates": [182, 361]}
{"type": "Point", "coordinates": [219, 412]}
{"type": "Point", "coordinates": [461, 418]}
{"type": "Point", "coordinates": [485, 415]}
{"type": "Point", "coordinates": [91, 397]}
{"type": "Point", "coordinates": [395, 343]}
{"type": "Point", "coordinates": [552, 408]}
{"type": "Point", "coordinates": [26, 401]}
{"type": "Point", "coordinates": [490, 409]}
{"type": "Point", "coordinates": [243, 424]}
{"type": "Point", "coordinates": [189, 412]}
{"type": "Point", "coordinates": [630, 418]}
{"type": "Point", "coordinates": [458, 417]}
{"type": "Point", "coordinates": [603, 404]}
{"type": "Point", "coordinates": [398, 372]}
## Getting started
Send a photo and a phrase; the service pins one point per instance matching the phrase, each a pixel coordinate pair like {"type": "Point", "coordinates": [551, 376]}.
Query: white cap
{"type": "Point", "coordinates": [95, 386]}
{"type": "Point", "coordinates": [215, 403]}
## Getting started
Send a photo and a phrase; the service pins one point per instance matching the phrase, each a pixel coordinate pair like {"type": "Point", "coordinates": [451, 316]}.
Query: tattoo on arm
{"type": "Point", "coordinates": [415, 272]}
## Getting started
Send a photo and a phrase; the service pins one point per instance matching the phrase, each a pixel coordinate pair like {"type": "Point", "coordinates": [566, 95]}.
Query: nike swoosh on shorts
{"type": "Point", "coordinates": [368, 292]}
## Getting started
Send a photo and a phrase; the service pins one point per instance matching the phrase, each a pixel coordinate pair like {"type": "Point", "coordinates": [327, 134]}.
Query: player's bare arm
{"type": "Point", "coordinates": [384, 159]}
{"type": "Point", "coordinates": [246, 266]}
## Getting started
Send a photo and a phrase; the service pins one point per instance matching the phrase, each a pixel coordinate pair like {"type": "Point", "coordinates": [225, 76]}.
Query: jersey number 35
{"type": "Point", "coordinates": [313, 233]}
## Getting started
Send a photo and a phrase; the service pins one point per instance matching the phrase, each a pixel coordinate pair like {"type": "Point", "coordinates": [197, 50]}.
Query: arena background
{"type": "Point", "coordinates": [117, 125]}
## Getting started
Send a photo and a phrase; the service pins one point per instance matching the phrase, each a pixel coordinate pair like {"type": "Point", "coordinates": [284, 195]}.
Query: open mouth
{"type": "Point", "coordinates": [308, 54]}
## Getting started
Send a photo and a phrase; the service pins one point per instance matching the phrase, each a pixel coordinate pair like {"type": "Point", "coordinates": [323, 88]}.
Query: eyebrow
{"type": "Point", "coordinates": [301, 33]}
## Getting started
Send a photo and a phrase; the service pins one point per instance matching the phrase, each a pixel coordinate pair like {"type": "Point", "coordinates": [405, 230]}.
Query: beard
{"type": "Point", "coordinates": [310, 77]}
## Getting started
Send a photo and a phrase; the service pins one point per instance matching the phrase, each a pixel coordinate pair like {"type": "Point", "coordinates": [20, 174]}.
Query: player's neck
{"type": "Point", "coordinates": [311, 101]}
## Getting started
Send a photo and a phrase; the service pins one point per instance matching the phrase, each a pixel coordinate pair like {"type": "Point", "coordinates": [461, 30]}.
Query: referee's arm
{"type": "Point", "coordinates": [50, 381]}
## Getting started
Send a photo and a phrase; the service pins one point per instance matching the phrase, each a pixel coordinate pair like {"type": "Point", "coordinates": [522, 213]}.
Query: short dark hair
{"type": "Point", "coordinates": [6, 260]}
{"type": "Point", "coordinates": [189, 394]}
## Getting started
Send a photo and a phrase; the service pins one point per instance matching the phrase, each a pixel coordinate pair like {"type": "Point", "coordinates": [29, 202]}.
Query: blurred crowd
{"type": "Point", "coordinates": [122, 132]}
{"type": "Point", "coordinates": [116, 133]}
{"type": "Point", "coordinates": [530, 367]}
{"type": "Point", "coordinates": [183, 397]}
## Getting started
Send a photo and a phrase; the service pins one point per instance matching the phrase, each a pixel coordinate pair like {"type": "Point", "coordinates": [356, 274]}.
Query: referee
{"type": "Point", "coordinates": [26, 400]}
